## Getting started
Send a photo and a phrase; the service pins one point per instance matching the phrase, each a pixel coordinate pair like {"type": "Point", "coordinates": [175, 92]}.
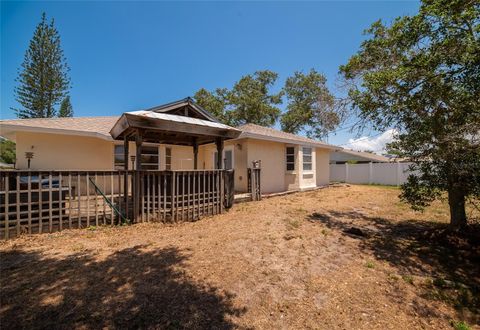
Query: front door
{"type": "Point", "coordinates": [227, 158]}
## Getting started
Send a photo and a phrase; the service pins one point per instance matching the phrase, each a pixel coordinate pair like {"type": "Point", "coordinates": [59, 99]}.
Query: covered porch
{"type": "Point", "coordinates": [175, 195]}
{"type": "Point", "coordinates": [49, 200]}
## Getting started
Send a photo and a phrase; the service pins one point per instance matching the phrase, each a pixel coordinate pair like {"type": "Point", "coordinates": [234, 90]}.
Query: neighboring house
{"type": "Point", "coordinates": [344, 155]}
{"type": "Point", "coordinates": [288, 162]}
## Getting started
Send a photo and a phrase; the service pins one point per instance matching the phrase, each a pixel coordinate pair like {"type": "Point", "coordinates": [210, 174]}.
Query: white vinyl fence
{"type": "Point", "coordinates": [393, 174]}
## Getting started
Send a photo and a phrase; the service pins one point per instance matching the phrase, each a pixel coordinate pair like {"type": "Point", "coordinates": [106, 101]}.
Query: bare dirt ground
{"type": "Point", "coordinates": [289, 262]}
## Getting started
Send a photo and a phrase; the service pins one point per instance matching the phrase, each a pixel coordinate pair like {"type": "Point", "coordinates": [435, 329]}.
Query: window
{"type": "Point", "coordinates": [149, 158]}
{"type": "Point", "coordinates": [307, 159]}
{"type": "Point", "coordinates": [290, 161]}
{"type": "Point", "coordinates": [119, 157]}
{"type": "Point", "coordinates": [168, 158]}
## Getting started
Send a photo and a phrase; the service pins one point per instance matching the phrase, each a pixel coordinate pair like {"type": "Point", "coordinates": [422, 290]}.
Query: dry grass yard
{"type": "Point", "coordinates": [289, 262]}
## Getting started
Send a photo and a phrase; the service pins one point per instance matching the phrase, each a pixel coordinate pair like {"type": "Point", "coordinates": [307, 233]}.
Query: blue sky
{"type": "Point", "coordinates": [127, 56]}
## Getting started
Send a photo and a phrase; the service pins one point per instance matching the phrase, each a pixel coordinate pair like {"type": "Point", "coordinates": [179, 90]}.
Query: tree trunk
{"type": "Point", "coordinates": [456, 200]}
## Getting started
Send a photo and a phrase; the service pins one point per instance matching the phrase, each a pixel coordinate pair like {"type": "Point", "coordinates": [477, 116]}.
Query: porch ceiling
{"type": "Point", "coordinates": [170, 129]}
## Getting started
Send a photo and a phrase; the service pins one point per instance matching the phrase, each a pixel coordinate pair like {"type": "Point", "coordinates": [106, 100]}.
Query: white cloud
{"type": "Point", "coordinates": [376, 144]}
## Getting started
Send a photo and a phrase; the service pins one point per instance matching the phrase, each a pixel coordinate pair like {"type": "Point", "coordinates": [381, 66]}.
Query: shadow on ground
{"type": "Point", "coordinates": [132, 288]}
{"type": "Point", "coordinates": [446, 263]}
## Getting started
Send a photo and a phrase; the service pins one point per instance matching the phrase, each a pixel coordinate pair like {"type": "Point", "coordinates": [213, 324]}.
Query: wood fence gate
{"type": "Point", "coordinates": [48, 201]}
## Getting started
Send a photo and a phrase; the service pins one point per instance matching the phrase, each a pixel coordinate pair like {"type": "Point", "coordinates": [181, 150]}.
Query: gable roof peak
{"type": "Point", "coordinates": [177, 106]}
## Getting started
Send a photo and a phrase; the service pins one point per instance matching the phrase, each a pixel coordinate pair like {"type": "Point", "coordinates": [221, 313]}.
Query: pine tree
{"type": "Point", "coordinates": [66, 109]}
{"type": "Point", "coordinates": [43, 81]}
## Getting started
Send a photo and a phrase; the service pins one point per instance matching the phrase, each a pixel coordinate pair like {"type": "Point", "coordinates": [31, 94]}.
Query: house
{"type": "Point", "coordinates": [343, 156]}
{"type": "Point", "coordinates": [288, 161]}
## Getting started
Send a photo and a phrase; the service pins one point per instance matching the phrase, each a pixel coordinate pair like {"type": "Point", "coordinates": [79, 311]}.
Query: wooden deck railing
{"type": "Point", "coordinates": [182, 195]}
{"type": "Point", "coordinates": [48, 201]}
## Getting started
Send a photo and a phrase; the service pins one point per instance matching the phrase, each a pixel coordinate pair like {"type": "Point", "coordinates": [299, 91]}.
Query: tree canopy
{"type": "Point", "coordinates": [252, 100]}
{"type": "Point", "coordinates": [421, 75]}
{"type": "Point", "coordinates": [249, 101]}
{"type": "Point", "coordinates": [7, 151]}
{"type": "Point", "coordinates": [66, 109]}
{"type": "Point", "coordinates": [215, 102]}
{"type": "Point", "coordinates": [43, 81]}
{"type": "Point", "coordinates": [311, 106]}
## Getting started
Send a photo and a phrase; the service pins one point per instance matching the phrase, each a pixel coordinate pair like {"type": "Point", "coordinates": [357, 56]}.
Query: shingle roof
{"type": "Point", "coordinates": [93, 126]}
{"type": "Point", "coordinates": [101, 126]}
{"type": "Point", "coordinates": [365, 155]}
{"type": "Point", "coordinates": [266, 133]}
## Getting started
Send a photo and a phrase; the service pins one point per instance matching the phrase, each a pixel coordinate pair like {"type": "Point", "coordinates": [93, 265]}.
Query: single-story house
{"type": "Point", "coordinates": [343, 156]}
{"type": "Point", "coordinates": [288, 161]}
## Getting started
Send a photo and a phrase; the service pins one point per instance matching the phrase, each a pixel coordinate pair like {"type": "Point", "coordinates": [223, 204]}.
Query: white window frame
{"type": "Point", "coordinates": [310, 162]}
{"type": "Point", "coordinates": [287, 162]}
{"type": "Point", "coordinates": [168, 159]}
{"type": "Point", "coordinates": [115, 145]}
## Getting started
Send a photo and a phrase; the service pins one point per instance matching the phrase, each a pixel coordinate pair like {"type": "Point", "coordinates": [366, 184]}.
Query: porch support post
{"type": "Point", "coordinates": [195, 153]}
{"type": "Point", "coordinates": [137, 201]}
{"type": "Point", "coordinates": [125, 152]}
{"type": "Point", "coordinates": [138, 158]}
{"type": "Point", "coordinates": [219, 143]}
{"type": "Point", "coordinates": [125, 175]}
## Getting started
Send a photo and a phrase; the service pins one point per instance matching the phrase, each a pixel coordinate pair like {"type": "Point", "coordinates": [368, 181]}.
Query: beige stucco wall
{"type": "Point", "coordinates": [69, 152]}
{"type": "Point", "coordinates": [182, 158]}
{"type": "Point", "coordinates": [272, 155]}
{"type": "Point", "coordinates": [63, 152]}
{"type": "Point", "coordinates": [322, 166]}
{"type": "Point", "coordinates": [66, 152]}
{"type": "Point", "coordinates": [239, 147]}
{"type": "Point", "coordinates": [240, 155]}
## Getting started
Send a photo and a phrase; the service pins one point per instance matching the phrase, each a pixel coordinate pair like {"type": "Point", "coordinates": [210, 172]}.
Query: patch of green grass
{"type": "Point", "coordinates": [370, 264]}
{"type": "Point", "coordinates": [293, 223]}
{"type": "Point", "coordinates": [408, 279]}
{"type": "Point", "coordinates": [91, 228]}
{"type": "Point", "coordinates": [440, 282]}
{"type": "Point", "coordinates": [460, 325]}
{"type": "Point", "coordinates": [452, 293]}
{"type": "Point", "coordinates": [324, 232]}
{"type": "Point", "coordinates": [393, 277]}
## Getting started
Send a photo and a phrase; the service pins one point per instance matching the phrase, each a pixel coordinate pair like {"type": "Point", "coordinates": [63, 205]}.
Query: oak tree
{"type": "Point", "coordinates": [421, 75]}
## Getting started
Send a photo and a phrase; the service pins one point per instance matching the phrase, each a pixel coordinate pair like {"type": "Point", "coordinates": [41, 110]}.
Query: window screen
{"type": "Point", "coordinates": [149, 157]}
{"type": "Point", "coordinates": [168, 158]}
{"type": "Point", "coordinates": [290, 161]}
{"type": "Point", "coordinates": [307, 159]}
{"type": "Point", "coordinates": [119, 157]}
